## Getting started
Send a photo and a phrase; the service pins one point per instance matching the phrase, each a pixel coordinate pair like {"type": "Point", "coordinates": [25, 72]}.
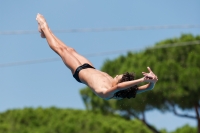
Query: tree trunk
{"type": "Point", "coordinates": [151, 127]}
{"type": "Point", "coordinates": [143, 120]}
{"type": "Point", "coordinates": [198, 118]}
{"type": "Point", "coordinates": [148, 125]}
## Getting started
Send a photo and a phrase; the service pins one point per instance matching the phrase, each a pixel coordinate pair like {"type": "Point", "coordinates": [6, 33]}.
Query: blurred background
{"type": "Point", "coordinates": [32, 75]}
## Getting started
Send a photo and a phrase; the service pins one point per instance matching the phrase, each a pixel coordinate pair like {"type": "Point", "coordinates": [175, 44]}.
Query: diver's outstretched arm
{"type": "Point", "coordinates": [148, 77]}
{"type": "Point", "coordinates": [122, 86]}
{"type": "Point", "coordinates": [146, 87]}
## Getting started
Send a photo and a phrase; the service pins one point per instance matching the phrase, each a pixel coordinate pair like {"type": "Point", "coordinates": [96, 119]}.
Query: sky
{"type": "Point", "coordinates": [49, 84]}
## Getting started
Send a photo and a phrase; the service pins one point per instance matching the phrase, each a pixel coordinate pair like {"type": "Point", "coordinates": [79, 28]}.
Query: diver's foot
{"type": "Point", "coordinates": [42, 24]}
{"type": "Point", "coordinates": [41, 32]}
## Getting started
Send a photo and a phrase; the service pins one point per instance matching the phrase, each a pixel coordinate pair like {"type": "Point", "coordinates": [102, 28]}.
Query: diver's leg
{"type": "Point", "coordinates": [70, 61]}
{"type": "Point", "coordinates": [81, 59]}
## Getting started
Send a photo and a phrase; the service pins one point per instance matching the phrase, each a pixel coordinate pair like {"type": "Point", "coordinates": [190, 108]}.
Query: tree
{"type": "Point", "coordinates": [185, 129]}
{"type": "Point", "coordinates": [55, 120]}
{"type": "Point", "coordinates": [178, 69]}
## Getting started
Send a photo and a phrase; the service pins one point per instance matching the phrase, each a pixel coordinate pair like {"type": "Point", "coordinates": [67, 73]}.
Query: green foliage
{"type": "Point", "coordinates": [54, 120]}
{"type": "Point", "coordinates": [177, 68]}
{"type": "Point", "coordinates": [186, 129]}
{"type": "Point", "coordinates": [178, 71]}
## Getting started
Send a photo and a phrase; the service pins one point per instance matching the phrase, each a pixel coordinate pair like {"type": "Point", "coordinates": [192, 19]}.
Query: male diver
{"type": "Point", "coordinates": [102, 84]}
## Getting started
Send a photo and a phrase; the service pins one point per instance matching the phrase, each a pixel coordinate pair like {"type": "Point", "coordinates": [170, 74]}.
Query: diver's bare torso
{"type": "Point", "coordinates": [97, 80]}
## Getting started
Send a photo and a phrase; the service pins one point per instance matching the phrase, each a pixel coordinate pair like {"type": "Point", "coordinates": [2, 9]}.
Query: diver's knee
{"type": "Point", "coordinates": [60, 50]}
{"type": "Point", "coordinates": [71, 50]}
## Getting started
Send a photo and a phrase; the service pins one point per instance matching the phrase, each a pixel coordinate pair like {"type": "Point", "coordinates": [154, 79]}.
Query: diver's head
{"type": "Point", "coordinates": [127, 93]}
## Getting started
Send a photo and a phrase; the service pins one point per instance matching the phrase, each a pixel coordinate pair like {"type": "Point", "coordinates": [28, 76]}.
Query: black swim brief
{"type": "Point", "coordinates": [84, 66]}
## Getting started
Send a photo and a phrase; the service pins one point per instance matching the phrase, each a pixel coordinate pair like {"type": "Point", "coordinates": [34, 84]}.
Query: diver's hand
{"type": "Point", "coordinates": [150, 77]}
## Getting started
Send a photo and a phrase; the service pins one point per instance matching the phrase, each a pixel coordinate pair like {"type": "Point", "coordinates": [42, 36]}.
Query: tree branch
{"type": "Point", "coordinates": [133, 114]}
{"type": "Point", "coordinates": [144, 121]}
{"type": "Point", "coordinates": [198, 116]}
{"type": "Point", "coordinates": [197, 111]}
{"type": "Point", "coordinates": [182, 115]}
{"type": "Point", "coordinates": [143, 117]}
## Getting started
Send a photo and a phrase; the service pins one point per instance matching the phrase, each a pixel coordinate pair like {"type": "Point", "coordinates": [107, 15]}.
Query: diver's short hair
{"type": "Point", "coordinates": [130, 92]}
